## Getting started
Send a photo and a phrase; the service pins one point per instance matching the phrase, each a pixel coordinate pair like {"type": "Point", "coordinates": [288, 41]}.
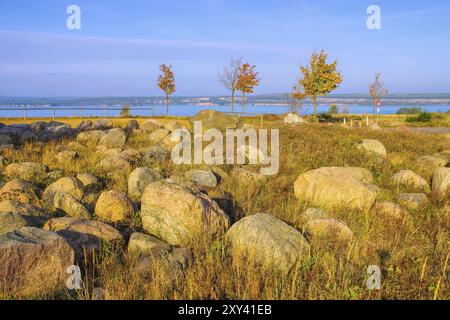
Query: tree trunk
{"type": "Point", "coordinates": [243, 102]}
{"type": "Point", "coordinates": [314, 99]}
{"type": "Point", "coordinates": [167, 104]}
{"type": "Point", "coordinates": [232, 101]}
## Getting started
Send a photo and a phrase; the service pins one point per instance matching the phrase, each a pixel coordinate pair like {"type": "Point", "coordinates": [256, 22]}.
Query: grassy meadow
{"type": "Point", "coordinates": [413, 254]}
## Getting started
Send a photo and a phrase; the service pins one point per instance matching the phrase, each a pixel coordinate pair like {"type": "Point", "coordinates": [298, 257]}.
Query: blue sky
{"type": "Point", "coordinates": [121, 44]}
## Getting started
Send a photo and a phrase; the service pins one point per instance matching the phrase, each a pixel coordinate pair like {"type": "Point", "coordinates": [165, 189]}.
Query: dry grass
{"type": "Point", "coordinates": [413, 255]}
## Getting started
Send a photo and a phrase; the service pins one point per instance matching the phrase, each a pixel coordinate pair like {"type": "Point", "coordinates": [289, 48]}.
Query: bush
{"type": "Point", "coordinates": [125, 112]}
{"type": "Point", "coordinates": [333, 109]}
{"type": "Point", "coordinates": [409, 111]}
{"type": "Point", "coordinates": [422, 117]}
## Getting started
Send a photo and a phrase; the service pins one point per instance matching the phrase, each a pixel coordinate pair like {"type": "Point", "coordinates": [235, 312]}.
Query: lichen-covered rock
{"type": "Point", "coordinates": [68, 185]}
{"type": "Point", "coordinates": [30, 171]}
{"type": "Point", "coordinates": [177, 214]}
{"type": "Point", "coordinates": [67, 156]}
{"type": "Point", "coordinates": [33, 261]}
{"type": "Point", "coordinates": [314, 213]}
{"type": "Point", "coordinates": [21, 191]}
{"type": "Point", "coordinates": [90, 182]}
{"type": "Point", "coordinates": [102, 124]}
{"type": "Point", "coordinates": [413, 201]}
{"type": "Point", "coordinates": [158, 153]}
{"type": "Point", "coordinates": [329, 188]}
{"type": "Point", "coordinates": [411, 181]}
{"type": "Point", "coordinates": [90, 137]}
{"type": "Point", "coordinates": [113, 163]}
{"type": "Point", "coordinates": [151, 251]}
{"type": "Point", "coordinates": [10, 221]}
{"type": "Point", "coordinates": [114, 206]}
{"type": "Point", "coordinates": [329, 229]}
{"type": "Point", "coordinates": [441, 184]}
{"type": "Point", "coordinates": [374, 147]}
{"type": "Point", "coordinates": [264, 239]}
{"type": "Point", "coordinates": [295, 119]}
{"type": "Point", "coordinates": [431, 163]}
{"type": "Point", "coordinates": [21, 208]}
{"type": "Point", "coordinates": [158, 135]}
{"type": "Point", "coordinates": [216, 120]}
{"type": "Point", "coordinates": [149, 126]}
{"type": "Point", "coordinates": [391, 210]}
{"type": "Point", "coordinates": [202, 178]}
{"type": "Point", "coordinates": [139, 179]}
{"type": "Point", "coordinates": [114, 138]}
{"type": "Point", "coordinates": [67, 203]}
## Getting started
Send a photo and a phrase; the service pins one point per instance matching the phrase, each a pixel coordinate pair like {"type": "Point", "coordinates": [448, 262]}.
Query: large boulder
{"type": "Point", "coordinates": [328, 229]}
{"type": "Point", "coordinates": [293, 118]}
{"type": "Point", "coordinates": [441, 184]}
{"type": "Point", "coordinates": [202, 178]}
{"type": "Point", "coordinates": [68, 204]}
{"type": "Point", "coordinates": [30, 171]}
{"type": "Point", "coordinates": [114, 138]}
{"type": "Point", "coordinates": [158, 153]}
{"type": "Point", "coordinates": [85, 125]}
{"type": "Point", "coordinates": [6, 139]}
{"type": "Point", "coordinates": [10, 221]}
{"type": "Point", "coordinates": [102, 124]}
{"type": "Point", "coordinates": [85, 236]}
{"type": "Point", "coordinates": [330, 188]}
{"type": "Point", "coordinates": [21, 208]}
{"type": "Point", "coordinates": [264, 239]}
{"type": "Point", "coordinates": [69, 185]}
{"type": "Point", "coordinates": [113, 163]}
{"type": "Point", "coordinates": [33, 261]}
{"type": "Point", "coordinates": [411, 181]}
{"type": "Point", "coordinates": [67, 156]}
{"type": "Point", "coordinates": [90, 137]}
{"type": "Point", "coordinates": [158, 135]}
{"type": "Point", "coordinates": [139, 179]}
{"type": "Point", "coordinates": [177, 214]}
{"type": "Point", "coordinates": [90, 182]}
{"type": "Point", "coordinates": [114, 206]}
{"type": "Point", "coordinates": [216, 120]}
{"type": "Point", "coordinates": [374, 147]}
{"type": "Point", "coordinates": [153, 253]}
{"type": "Point", "coordinates": [431, 163]}
{"type": "Point", "coordinates": [149, 126]}
{"type": "Point", "coordinates": [21, 191]}
{"type": "Point", "coordinates": [391, 211]}
{"type": "Point", "coordinates": [413, 201]}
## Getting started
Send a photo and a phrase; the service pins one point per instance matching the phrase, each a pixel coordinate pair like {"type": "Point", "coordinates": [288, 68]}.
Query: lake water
{"type": "Point", "coordinates": [188, 110]}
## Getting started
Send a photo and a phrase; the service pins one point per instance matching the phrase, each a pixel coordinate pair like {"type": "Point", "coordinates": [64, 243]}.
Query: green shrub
{"type": "Point", "coordinates": [422, 117]}
{"type": "Point", "coordinates": [409, 111]}
{"type": "Point", "coordinates": [333, 109]}
{"type": "Point", "coordinates": [125, 112]}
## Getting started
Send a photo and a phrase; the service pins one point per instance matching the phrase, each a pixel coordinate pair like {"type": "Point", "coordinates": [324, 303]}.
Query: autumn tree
{"type": "Point", "coordinates": [319, 77]}
{"type": "Point", "coordinates": [377, 90]}
{"type": "Point", "coordinates": [298, 94]}
{"type": "Point", "coordinates": [247, 80]}
{"type": "Point", "coordinates": [166, 82]}
{"type": "Point", "coordinates": [228, 78]}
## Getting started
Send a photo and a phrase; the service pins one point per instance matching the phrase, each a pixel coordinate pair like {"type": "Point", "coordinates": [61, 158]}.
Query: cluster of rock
{"type": "Point", "coordinates": [50, 222]}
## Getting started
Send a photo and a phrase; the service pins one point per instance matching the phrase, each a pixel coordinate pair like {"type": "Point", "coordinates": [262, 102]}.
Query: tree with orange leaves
{"type": "Point", "coordinates": [247, 81]}
{"type": "Point", "coordinates": [319, 77]}
{"type": "Point", "coordinates": [298, 94]}
{"type": "Point", "coordinates": [166, 82]}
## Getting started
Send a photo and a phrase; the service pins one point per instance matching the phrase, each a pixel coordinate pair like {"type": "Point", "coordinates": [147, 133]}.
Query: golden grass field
{"type": "Point", "coordinates": [413, 255]}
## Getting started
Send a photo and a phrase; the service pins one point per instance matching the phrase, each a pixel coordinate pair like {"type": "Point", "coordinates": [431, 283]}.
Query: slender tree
{"type": "Point", "coordinates": [298, 94]}
{"type": "Point", "coordinates": [166, 82]}
{"type": "Point", "coordinates": [228, 78]}
{"type": "Point", "coordinates": [247, 80]}
{"type": "Point", "coordinates": [319, 77]}
{"type": "Point", "coordinates": [377, 90]}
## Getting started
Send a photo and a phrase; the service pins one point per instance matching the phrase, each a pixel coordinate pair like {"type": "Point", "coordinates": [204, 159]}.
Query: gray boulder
{"type": "Point", "coordinates": [139, 179]}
